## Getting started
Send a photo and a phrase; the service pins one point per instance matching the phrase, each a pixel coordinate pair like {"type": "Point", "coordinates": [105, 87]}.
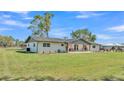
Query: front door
{"type": "Point", "coordinates": [75, 47]}
{"type": "Point", "coordinates": [85, 48]}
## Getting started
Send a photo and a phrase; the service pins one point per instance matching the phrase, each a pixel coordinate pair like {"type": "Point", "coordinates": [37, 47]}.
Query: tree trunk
{"type": "Point", "coordinates": [47, 34]}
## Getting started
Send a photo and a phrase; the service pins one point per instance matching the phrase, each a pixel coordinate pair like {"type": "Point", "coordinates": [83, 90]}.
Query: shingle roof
{"type": "Point", "coordinates": [76, 41]}
{"type": "Point", "coordinates": [80, 41]}
{"type": "Point", "coordinates": [41, 39]}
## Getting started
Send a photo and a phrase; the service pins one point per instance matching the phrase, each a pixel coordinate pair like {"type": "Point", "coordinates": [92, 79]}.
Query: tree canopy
{"type": "Point", "coordinates": [9, 41]}
{"type": "Point", "coordinates": [6, 41]}
{"type": "Point", "coordinates": [83, 34]}
{"type": "Point", "coordinates": [40, 25]}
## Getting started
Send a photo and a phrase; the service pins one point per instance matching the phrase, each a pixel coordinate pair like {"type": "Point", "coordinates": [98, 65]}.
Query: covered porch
{"type": "Point", "coordinates": [78, 47]}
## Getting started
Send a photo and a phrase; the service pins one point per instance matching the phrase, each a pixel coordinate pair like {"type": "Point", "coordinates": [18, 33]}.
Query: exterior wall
{"type": "Point", "coordinates": [96, 49]}
{"type": "Point", "coordinates": [70, 47]}
{"type": "Point", "coordinates": [87, 46]}
{"type": "Point", "coordinates": [54, 47]}
{"type": "Point", "coordinates": [32, 47]}
{"type": "Point", "coordinates": [81, 47]}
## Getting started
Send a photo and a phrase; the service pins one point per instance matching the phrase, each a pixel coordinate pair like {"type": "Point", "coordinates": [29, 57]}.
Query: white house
{"type": "Point", "coordinates": [53, 45]}
{"type": "Point", "coordinates": [95, 47]}
{"type": "Point", "coordinates": [46, 45]}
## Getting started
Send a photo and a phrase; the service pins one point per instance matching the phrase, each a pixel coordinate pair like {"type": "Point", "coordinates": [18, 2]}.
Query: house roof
{"type": "Point", "coordinates": [77, 41]}
{"type": "Point", "coordinates": [41, 39]}
{"type": "Point", "coordinates": [80, 41]}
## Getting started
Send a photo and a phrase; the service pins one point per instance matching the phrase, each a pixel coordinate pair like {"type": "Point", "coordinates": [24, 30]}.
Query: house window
{"type": "Point", "coordinates": [93, 46]}
{"type": "Point", "coordinates": [46, 44]}
{"type": "Point", "coordinates": [62, 44]}
{"type": "Point", "coordinates": [34, 45]}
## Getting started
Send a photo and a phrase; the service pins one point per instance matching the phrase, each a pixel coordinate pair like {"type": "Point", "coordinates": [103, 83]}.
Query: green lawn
{"type": "Point", "coordinates": [82, 66]}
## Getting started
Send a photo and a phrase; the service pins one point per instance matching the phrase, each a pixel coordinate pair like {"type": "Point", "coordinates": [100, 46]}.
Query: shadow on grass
{"type": "Point", "coordinates": [25, 52]}
{"type": "Point", "coordinates": [12, 49]}
{"type": "Point", "coordinates": [18, 50]}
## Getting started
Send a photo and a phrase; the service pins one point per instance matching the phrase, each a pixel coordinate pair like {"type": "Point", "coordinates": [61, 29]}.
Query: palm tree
{"type": "Point", "coordinates": [47, 22]}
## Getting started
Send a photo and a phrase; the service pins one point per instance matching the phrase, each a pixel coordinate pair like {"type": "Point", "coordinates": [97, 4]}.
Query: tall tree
{"type": "Point", "coordinates": [92, 37]}
{"type": "Point", "coordinates": [40, 25]}
{"type": "Point", "coordinates": [36, 25]}
{"type": "Point", "coordinates": [83, 33]}
{"type": "Point", "coordinates": [47, 22]}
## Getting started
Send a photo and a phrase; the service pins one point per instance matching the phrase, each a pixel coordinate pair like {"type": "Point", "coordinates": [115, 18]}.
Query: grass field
{"type": "Point", "coordinates": [82, 66]}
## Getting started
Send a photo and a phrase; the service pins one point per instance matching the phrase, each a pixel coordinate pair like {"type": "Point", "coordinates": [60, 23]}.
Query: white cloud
{"type": "Point", "coordinates": [58, 35]}
{"type": "Point", "coordinates": [103, 36]}
{"type": "Point", "coordinates": [60, 32]}
{"type": "Point", "coordinates": [14, 23]}
{"type": "Point", "coordinates": [82, 16]}
{"type": "Point", "coordinates": [88, 14]}
{"type": "Point", "coordinates": [6, 16]}
{"type": "Point", "coordinates": [21, 12]}
{"type": "Point", "coordinates": [117, 28]}
{"type": "Point", "coordinates": [24, 14]}
{"type": "Point", "coordinates": [28, 18]}
{"type": "Point", "coordinates": [5, 29]}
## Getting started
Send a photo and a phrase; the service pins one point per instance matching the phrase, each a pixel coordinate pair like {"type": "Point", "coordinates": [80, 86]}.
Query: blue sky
{"type": "Point", "coordinates": [108, 26]}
